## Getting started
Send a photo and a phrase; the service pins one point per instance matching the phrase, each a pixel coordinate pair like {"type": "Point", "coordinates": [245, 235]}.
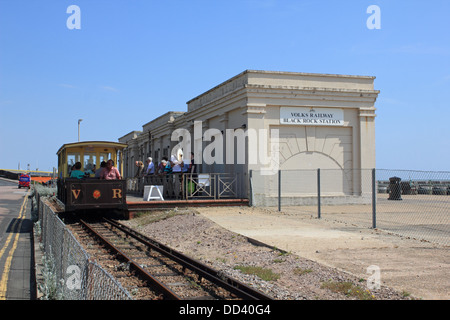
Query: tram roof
{"type": "Point", "coordinates": [81, 144]}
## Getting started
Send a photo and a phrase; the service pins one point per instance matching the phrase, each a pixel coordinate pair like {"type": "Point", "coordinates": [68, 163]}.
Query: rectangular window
{"type": "Point", "coordinates": [105, 156]}
{"type": "Point", "coordinates": [72, 158]}
{"type": "Point", "coordinates": [90, 160]}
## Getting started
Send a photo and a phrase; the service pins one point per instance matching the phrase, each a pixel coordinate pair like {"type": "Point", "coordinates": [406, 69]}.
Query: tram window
{"type": "Point", "coordinates": [105, 156]}
{"type": "Point", "coordinates": [72, 158]}
{"type": "Point", "coordinates": [90, 159]}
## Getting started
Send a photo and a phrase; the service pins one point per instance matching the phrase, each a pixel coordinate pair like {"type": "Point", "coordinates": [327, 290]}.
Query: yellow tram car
{"type": "Point", "coordinates": [88, 192]}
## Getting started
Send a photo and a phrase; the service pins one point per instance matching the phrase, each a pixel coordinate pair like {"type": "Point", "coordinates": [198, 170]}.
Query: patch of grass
{"type": "Point", "coordinates": [221, 259]}
{"type": "Point", "coordinates": [193, 284]}
{"type": "Point", "coordinates": [265, 274]}
{"type": "Point", "coordinates": [405, 294]}
{"type": "Point", "coordinates": [301, 271]}
{"type": "Point", "coordinates": [278, 260]}
{"type": "Point", "coordinates": [284, 253]}
{"type": "Point", "coordinates": [349, 289]}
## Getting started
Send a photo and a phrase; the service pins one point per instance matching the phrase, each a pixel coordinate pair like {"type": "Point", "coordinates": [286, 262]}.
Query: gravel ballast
{"type": "Point", "coordinates": [293, 277]}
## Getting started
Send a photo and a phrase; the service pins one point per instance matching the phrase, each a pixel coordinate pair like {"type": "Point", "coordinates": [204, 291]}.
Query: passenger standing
{"type": "Point", "coordinates": [162, 165]}
{"type": "Point", "coordinates": [176, 170]}
{"type": "Point", "coordinates": [139, 170]}
{"type": "Point", "coordinates": [167, 167]}
{"type": "Point", "coordinates": [176, 165]}
{"type": "Point", "coordinates": [192, 178]}
{"type": "Point", "coordinates": [192, 165]}
{"type": "Point", "coordinates": [150, 167]}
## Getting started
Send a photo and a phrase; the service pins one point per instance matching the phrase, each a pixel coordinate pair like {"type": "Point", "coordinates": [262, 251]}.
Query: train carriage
{"type": "Point", "coordinates": [88, 192]}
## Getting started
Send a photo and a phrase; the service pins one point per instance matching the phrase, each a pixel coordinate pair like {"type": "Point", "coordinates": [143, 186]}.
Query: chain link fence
{"type": "Point", "coordinates": [413, 204]}
{"type": "Point", "coordinates": [68, 271]}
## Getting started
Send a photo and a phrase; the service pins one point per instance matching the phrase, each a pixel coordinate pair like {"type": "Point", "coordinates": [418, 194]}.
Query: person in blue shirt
{"type": "Point", "coordinates": [77, 173]}
{"type": "Point", "coordinates": [150, 166]}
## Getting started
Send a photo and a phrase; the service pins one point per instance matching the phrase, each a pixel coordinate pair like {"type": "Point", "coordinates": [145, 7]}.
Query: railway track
{"type": "Point", "coordinates": [150, 270]}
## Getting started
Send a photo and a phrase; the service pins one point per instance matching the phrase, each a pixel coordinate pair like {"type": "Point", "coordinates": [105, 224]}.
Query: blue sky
{"type": "Point", "coordinates": [133, 60]}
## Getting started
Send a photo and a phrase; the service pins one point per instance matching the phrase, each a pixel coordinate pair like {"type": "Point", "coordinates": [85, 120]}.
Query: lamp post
{"type": "Point", "coordinates": [79, 120]}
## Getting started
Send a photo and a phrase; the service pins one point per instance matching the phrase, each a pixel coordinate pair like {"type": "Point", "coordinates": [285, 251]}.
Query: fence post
{"type": "Point", "coordinates": [279, 190]}
{"type": "Point", "coordinates": [374, 199]}
{"type": "Point", "coordinates": [318, 194]}
{"type": "Point", "coordinates": [251, 187]}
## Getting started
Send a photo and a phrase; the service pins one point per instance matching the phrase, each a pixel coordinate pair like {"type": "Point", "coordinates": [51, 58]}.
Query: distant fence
{"type": "Point", "coordinates": [414, 204]}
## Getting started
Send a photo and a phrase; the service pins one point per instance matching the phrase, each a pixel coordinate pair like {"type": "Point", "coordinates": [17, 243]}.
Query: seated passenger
{"type": "Point", "coordinates": [99, 171]}
{"type": "Point", "coordinates": [89, 169]}
{"type": "Point", "coordinates": [110, 172]}
{"type": "Point", "coordinates": [77, 173]}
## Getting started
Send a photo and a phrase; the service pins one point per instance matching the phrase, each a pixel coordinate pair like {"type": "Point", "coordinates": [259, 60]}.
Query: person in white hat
{"type": "Point", "coordinates": [150, 169]}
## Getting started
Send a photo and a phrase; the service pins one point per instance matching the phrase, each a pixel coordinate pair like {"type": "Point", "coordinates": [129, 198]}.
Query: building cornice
{"type": "Point", "coordinates": [284, 73]}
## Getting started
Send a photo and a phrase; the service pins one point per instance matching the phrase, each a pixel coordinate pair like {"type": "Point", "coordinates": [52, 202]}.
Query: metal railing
{"type": "Point", "coordinates": [188, 186]}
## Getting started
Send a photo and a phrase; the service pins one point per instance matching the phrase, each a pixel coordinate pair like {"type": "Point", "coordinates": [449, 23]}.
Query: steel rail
{"type": "Point", "coordinates": [160, 287]}
{"type": "Point", "coordinates": [236, 287]}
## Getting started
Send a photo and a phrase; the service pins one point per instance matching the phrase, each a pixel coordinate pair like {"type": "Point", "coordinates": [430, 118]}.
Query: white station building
{"type": "Point", "coordinates": [289, 121]}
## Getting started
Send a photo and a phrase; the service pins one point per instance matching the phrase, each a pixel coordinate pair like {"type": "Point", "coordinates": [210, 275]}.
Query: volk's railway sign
{"type": "Point", "coordinates": [312, 116]}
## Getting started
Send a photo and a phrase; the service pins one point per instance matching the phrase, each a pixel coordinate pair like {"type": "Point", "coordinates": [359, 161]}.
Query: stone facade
{"type": "Point", "coordinates": [323, 121]}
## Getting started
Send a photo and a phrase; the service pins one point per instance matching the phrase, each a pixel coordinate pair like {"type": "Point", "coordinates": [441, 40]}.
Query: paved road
{"type": "Point", "coordinates": [16, 263]}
